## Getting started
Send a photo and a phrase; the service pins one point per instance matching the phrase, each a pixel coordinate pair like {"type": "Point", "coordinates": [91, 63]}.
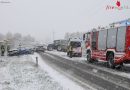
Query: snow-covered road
{"type": "Point", "coordinates": [64, 55]}
{"type": "Point", "coordinates": [109, 78]}
{"type": "Point", "coordinates": [83, 60]}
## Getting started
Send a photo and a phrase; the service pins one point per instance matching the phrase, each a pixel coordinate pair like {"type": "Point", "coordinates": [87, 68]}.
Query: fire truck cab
{"type": "Point", "coordinates": [86, 39]}
{"type": "Point", "coordinates": [111, 45]}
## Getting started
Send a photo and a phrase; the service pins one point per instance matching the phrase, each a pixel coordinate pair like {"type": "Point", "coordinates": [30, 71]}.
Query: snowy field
{"type": "Point", "coordinates": [21, 73]}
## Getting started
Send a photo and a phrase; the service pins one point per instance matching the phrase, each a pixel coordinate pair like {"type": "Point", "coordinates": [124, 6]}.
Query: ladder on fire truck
{"type": "Point", "coordinates": [120, 23]}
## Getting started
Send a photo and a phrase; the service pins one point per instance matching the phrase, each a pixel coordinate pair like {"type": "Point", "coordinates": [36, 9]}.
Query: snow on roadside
{"type": "Point", "coordinates": [61, 79]}
{"type": "Point", "coordinates": [20, 73]}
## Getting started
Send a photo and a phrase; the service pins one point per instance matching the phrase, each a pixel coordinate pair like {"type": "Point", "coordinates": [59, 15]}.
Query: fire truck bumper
{"type": "Point", "coordinates": [77, 54]}
{"type": "Point", "coordinates": [125, 59]}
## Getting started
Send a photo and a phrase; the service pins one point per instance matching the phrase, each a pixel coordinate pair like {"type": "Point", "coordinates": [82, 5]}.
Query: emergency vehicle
{"type": "Point", "coordinates": [75, 43]}
{"type": "Point", "coordinates": [110, 44]}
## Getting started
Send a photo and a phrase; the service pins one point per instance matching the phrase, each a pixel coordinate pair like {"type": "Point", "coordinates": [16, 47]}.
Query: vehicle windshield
{"type": "Point", "coordinates": [75, 44]}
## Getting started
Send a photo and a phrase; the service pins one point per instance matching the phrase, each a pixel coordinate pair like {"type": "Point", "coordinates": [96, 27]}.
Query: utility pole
{"type": "Point", "coordinates": [53, 35]}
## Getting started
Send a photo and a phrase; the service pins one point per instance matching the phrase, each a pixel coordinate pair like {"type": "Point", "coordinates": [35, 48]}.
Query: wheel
{"type": "Point", "coordinates": [80, 55]}
{"type": "Point", "coordinates": [110, 60]}
{"type": "Point", "coordinates": [89, 59]}
{"type": "Point", "coordinates": [50, 49]}
{"type": "Point", "coordinates": [67, 53]}
{"type": "Point", "coordinates": [59, 48]}
{"type": "Point", "coordinates": [70, 54]}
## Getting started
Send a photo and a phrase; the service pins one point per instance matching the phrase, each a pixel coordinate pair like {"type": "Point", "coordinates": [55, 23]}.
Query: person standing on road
{"type": "Point", "coordinates": [70, 51]}
{"type": "Point", "coordinates": [2, 50]}
{"type": "Point", "coordinates": [8, 48]}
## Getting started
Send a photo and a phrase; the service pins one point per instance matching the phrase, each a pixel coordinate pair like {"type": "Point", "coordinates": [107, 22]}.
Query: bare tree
{"type": "Point", "coordinates": [1, 37]}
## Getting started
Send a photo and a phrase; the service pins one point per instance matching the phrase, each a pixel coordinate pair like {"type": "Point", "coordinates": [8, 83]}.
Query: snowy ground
{"type": "Point", "coordinates": [83, 59]}
{"type": "Point", "coordinates": [21, 73]}
{"type": "Point", "coordinates": [65, 82]}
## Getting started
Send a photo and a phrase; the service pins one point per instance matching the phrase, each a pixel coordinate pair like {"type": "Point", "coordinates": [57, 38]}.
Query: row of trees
{"type": "Point", "coordinates": [16, 39]}
{"type": "Point", "coordinates": [78, 35]}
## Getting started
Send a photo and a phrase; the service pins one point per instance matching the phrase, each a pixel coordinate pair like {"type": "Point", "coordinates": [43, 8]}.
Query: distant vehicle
{"type": "Point", "coordinates": [76, 47]}
{"type": "Point", "coordinates": [40, 49]}
{"type": "Point", "coordinates": [20, 51]}
{"type": "Point", "coordinates": [60, 45]}
{"type": "Point", "coordinates": [50, 47]}
{"type": "Point", "coordinates": [13, 52]}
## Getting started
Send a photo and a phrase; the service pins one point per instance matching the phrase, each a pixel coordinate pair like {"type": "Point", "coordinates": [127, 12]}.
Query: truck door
{"type": "Point", "coordinates": [87, 40]}
{"type": "Point", "coordinates": [102, 41]}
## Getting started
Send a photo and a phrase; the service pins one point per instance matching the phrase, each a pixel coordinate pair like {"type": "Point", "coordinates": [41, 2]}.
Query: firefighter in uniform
{"type": "Point", "coordinates": [8, 48]}
{"type": "Point", "coordinates": [2, 50]}
{"type": "Point", "coordinates": [70, 51]}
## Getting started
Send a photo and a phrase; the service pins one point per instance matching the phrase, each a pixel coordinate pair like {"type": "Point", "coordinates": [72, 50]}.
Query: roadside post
{"type": "Point", "coordinates": [36, 61]}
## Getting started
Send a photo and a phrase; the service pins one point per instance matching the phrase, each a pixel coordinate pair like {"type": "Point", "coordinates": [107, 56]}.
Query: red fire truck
{"type": "Point", "coordinates": [111, 45]}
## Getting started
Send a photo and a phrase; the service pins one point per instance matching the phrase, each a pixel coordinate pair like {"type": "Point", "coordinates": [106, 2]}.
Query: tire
{"type": "Point", "coordinates": [67, 53]}
{"type": "Point", "coordinates": [80, 55]}
{"type": "Point", "coordinates": [70, 54]}
{"type": "Point", "coordinates": [50, 49]}
{"type": "Point", "coordinates": [110, 60]}
{"type": "Point", "coordinates": [59, 48]}
{"type": "Point", "coordinates": [89, 59]}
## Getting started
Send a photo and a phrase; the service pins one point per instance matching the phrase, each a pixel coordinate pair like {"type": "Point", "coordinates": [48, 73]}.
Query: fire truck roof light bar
{"type": "Point", "coordinates": [123, 22]}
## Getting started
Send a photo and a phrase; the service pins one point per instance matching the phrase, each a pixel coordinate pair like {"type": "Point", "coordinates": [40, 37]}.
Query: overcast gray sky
{"type": "Point", "coordinates": [41, 18]}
